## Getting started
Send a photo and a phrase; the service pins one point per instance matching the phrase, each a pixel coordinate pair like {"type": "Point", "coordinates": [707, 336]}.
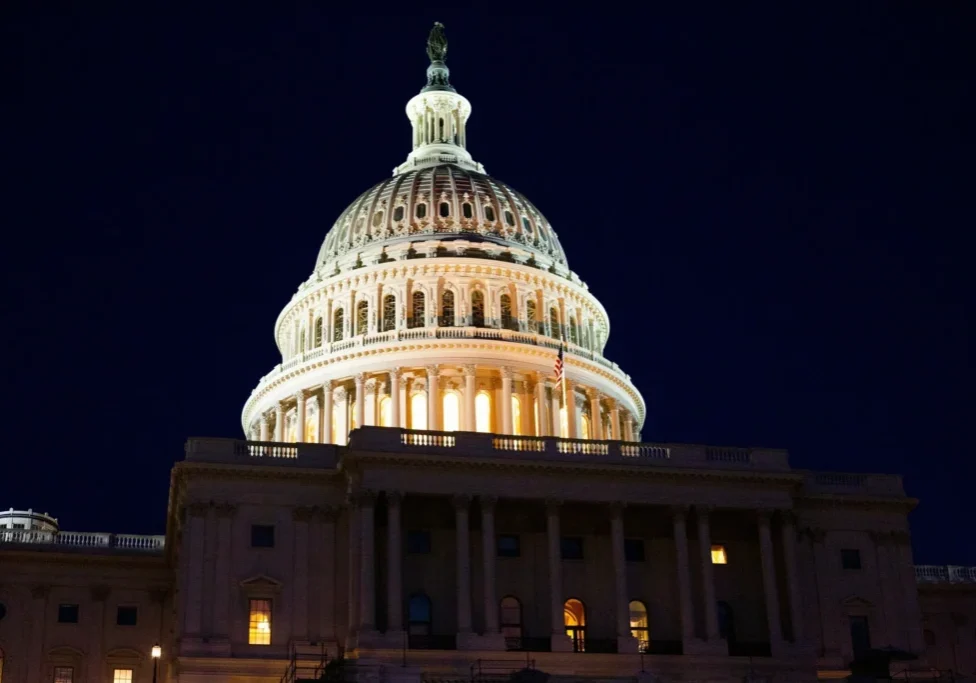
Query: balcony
{"type": "Point", "coordinates": [87, 540]}
{"type": "Point", "coordinates": [937, 573]}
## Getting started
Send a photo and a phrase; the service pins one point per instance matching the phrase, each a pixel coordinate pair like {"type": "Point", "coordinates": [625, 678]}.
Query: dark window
{"type": "Point", "coordinates": [421, 210]}
{"type": "Point", "coordinates": [418, 542]}
{"type": "Point", "coordinates": [489, 214]}
{"type": "Point", "coordinates": [3, 610]}
{"type": "Point", "coordinates": [509, 218]}
{"type": "Point", "coordinates": [860, 636]}
{"type": "Point", "coordinates": [477, 308]}
{"type": "Point", "coordinates": [929, 638]}
{"type": "Point", "coordinates": [67, 614]}
{"type": "Point", "coordinates": [126, 616]}
{"type": "Point", "coordinates": [509, 546]}
{"type": "Point", "coordinates": [726, 622]}
{"type": "Point", "coordinates": [20, 526]}
{"type": "Point", "coordinates": [634, 549]}
{"type": "Point", "coordinates": [571, 548]}
{"type": "Point", "coordinates": [418, 615]}
{"type": "Point", "coordinates": [466, 210]}
{"type": "Point", "coordinates": [445, 209]}
{"type": "Point", "coordinates": [850, 558]}
{"type": "Point", "coordinates": [262, 536]}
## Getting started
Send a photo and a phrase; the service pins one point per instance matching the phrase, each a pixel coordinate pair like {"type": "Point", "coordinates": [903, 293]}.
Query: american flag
{"type": "Point", "coordinates": [559, 366]}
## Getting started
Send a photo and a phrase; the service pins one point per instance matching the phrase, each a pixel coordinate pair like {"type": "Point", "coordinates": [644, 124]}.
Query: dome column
{"type": "Point", "coordinates": [265, 428]}
{"type": "Point", "coordinates": [469, 393]}
{"type": "Point", "coordinates": [596, 421]}
{"type": "Point", "coordinates": [506, 400]}
{"type": "Point", "coordinates": [325, 426]}
{"type": "Point", "coordinates": [300, 417]}
{"type": "Point", "coordinates": [615, 422]}
{"type": "Point", "coordinates": [373, 387]}
{"type": "Point", "coordinates": [360, 400]}
{"type": "Point", "coordinates": [555, 421]}
{"type": "Point", "coordinates": [572, 420]}
{"type": "Point", "coordinates": [433, 394]}
{"type": "Point", "coordinates": [542, 428]}
{"type": "Point", "coordinates": [395, 397]}
{"type": "Point", "coordinates": [279, 423]}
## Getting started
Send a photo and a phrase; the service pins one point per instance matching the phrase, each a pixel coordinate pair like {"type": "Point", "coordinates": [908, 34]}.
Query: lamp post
{"type": "Point", "coordinates": [157, 652]}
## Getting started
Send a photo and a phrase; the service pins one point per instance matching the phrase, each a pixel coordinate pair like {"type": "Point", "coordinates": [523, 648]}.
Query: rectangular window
{"type": "Point", "coordinates": [64, 674]}
{"type": "Point", "coordinates": [634, 549]}
{"type": "Point", "coordinates": [126, 616]}
{"type": "Point", "coordinates": [262, 536]}
{"type": "Point", "coordinates": [259, 623]}
{"type": "Point", "coordinates": [850, 558]}
{"type": "Point", "coordinates": [571, 548]}
{"type": "Point", "coordinates": [67, 614]}
{"type": "Point", "coordinates": [418, 542]}
{"type": "Point", "coordinates": [122, 676]}
{"type": "Point", "coordinates": [860, 636]}
{"type": "Point", "coordinates": [718, 555]}
{"type": "Point", "coordinates": [509, 546]}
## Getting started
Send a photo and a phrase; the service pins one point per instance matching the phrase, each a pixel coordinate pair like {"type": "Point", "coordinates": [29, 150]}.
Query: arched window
{"type": "Point", "coordinates": [572, 330]}
{"type": "Point", "coordinates": [317, 335]}
{"type": "Point", "coordinates": [417, 314]}
{"type": "Point", "coordinates": [311, 423]}
{"type": "Point", "coordinates": [506, 306]}
{"type": "Point", "coordinates": [726, 622]}
{"type": "Point", "coordinates": [482, 412]}
{"type": "Point", "coordinates": [338, 322]}
{"type": "Point", "coordinates": [563, 423]}
{"type": "Point", "coordinates": [638, 624]}
{"type": "Point", "coordinates": [421, 210]}
{"type": "Point", "coordinates": [478, 308]}
{"type": "Point", "coordinates": [929, 638]}
{"type": "Point", "coordinates": [362, 317]}
{"type": "Point", "coordinates": [389, 312]}
{"type": "Point", "coordinates": [418, 615]}
{"type": "Point", "coordinates": [574, 617]}
{"type": "Point", "coordinates": [511, 622]}
{"type": "Point", "coordinates": [301, 342]}
{"type": "Point", "coordinates": [466, 210]}
{"type": "Point", "coordinates": [585, 430]}
{"type": "Point", "coordinates": [490, 214]}
{"type": "Point", "coordinates": [509, 218]}
{"type": "Point", "coordinates": [530, 315]}
{"type": "Point", "coordinates": [398, 214]}
{"type": "Point", "coordinates": [516, 416]}
{"type": "Point", "coordinates": [418, 410]}
{"type": "Point", "coordinates": [447, 309]}
{"type": "Point", "coordinates": [386, 412]}
{"type": "Point", "coordinates": [445, 209]}
{"type": "Point", "coordinates": [554, 323]}
{"type": "Point", "coordinates": [340, 424]}
{"type": "Point", "coordinates": [452, 412]}
{"type": "Point", "coordinates": [440, 129]}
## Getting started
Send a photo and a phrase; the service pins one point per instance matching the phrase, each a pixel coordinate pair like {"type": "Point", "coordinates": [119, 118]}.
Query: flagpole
{"type": "Point", "coordinates": [562, 381]}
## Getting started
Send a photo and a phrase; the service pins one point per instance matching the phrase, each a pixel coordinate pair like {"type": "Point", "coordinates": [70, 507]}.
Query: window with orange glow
{"type": "Point", "coordinates": [516, 416]}
{"type": "Point", "coordinates": [482, 412]}
{"type": "Point", "coordinates": [574, 617]}
{"type": "Point", "coordinates": [418, 410]}
{"type": "Point", "coordinates": [259, 623]}
{"type": "Point", "coordinates": [64, 674]}
{"type": "Point", "coordinates": [452, 412]}
{"type": "Point", "coordinates": [718, 555]}
{"type": "Point", "coordinates": [122, 676]}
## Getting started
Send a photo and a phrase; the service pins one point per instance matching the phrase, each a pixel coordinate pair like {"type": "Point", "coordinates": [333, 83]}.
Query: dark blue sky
{"type": "Point", "coordinates": [773, 202]}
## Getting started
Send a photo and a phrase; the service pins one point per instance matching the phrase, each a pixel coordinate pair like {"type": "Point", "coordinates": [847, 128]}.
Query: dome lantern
{"type": "Point", "coordinates": [438, 115]}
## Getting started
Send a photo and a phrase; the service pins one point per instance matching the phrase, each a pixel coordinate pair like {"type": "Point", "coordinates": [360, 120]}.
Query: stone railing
{"type": "Point", "coordinates": [85, 539]}
{"type": "Point", "coordinates": [854, 483]}
{"type": "Point", "coordinates": [474, 444]}
{"type": "Point", "coordinates": [941, 573]}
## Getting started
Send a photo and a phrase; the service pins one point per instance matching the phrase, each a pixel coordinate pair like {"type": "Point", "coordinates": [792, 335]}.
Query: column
{"type": "Point", "coordinates": [367, 580]}
{"type": "Point", "coordinates": [222, 581]}
{"type": "Point", "coordinates": [326, 531]}
{"type": "Point", "coordinates": [341, 399]}
{"type": "Point", "coordinates": [596, 422]}
{"type": "Point", "coordinates": [325, 427]}
{"type": "Point", "coordinates": [300, 595]}
{"type": "Point", "coordinates": [320, 428]}
{"type": "Point", "coordinates": [371, 418]}
{"type": "Point", "coordinates": [355, 534]}
{"type": "Point", "coordinates": [625, 641]}
{"type": "Point", "coordinates": [792, 580]}
{"type": "Point", "coordinates": [300, 417]}
{"type": "Point", "coordinates": [38, 620]}
{"type": "Point", "coordinates": [615, 422]}
{"type": "Point", "coordinates": [506, 400]}
{"type": "Point", "coordinates": [628, 427]}
{"type": "Point", "coordinates": [469, 394]}
{"type": "Point", "coordinates": [889, 626]}
{"type": "Point", "coordinates": [488, 555]}
{"type": "Point", "coordinates": [560, 641]}
{"type": "Point", "coordinates": [99, 594]}
{"type": "Point", "coordinates": [279, 423]}
{"type": "Point", "coordinates": [909, 592]}
{"type": "Point", "coordinates": [557, 426]}
{"type": "Point", "coordinates": [707, 572]}
{"type": "Point", "coordinates": [194, 540]}
{"type": "Point", "coordinates": [265, 427]}
{"type": "Point", "coordinates": [679, 515]}
{"type": "Point", "coordinates": [402, 402]}
{"type": "Point", "coordinates": [541, 429]}
{"type": "Point", "coordinates": [394, 564]}
{"type": "Point", "coordinates": [395, 397]}
{"type": "Point", "coordinates": [769, 582]}
{"type": "Point", "coordinates": [829, 603]}
{"type": "Point", "coordinates": [463, 543]}
{"type": "Point", "coordinates": [433, 399]}
{"type": "Point", "coordinates": [571, 419]}
{"type": "Point", "coordinates": [360, 399]}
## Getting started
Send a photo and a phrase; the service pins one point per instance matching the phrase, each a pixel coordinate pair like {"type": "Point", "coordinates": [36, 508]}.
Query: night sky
{"type": "Point", "coordinates": [773, 202]}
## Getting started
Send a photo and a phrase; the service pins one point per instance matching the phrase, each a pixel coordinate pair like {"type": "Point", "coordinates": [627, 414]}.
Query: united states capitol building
{"type": "Point", "coordinates": [418, 498]}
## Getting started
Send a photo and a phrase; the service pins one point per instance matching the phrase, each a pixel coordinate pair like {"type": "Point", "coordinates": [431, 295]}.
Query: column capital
{"type": "Point", "coordinates": [359, 379]}
{"type": "Point", "coordinates": [468, 370]}
{"type": "Point", "coordinates": [394, 498]}
{"type": "Point", "coordinates": [553, 505]}
{"type": "Point", "coordinates": [358, 497]}
{"type": "Point", "coordinates": [506, 373]}
{"type": "Point", "coordinates": [280, 408]}
{"type": "Point", "coordinates": [679, 511]}
{"type": "Point", "coordinates": [327, 385]}
{"type": "Point", "coordinates": [487, 502]}
{"type": "Point", "coordinates": [592, 394]}
{"type": "Point", "coordinates": [461, 501]}
{"type": "Point", "coordinates": [617, 508]}
{"type": "Point", "coordinates": [302, 513]}
{"type": "Point", "coordinates": [225, 509]}
{"type": "Point", "coordinates": [100, 593]}
{"type": "Point", "coordinates": [339, 394]}
{"type": "Point", "coordinates": [40, 591]}
{"type": "Point", "coordinates": [265, 417]}
{"type": "Point", "coordinates": [431, 370]}
{"type": "Point", "coordinates": [370, 385]}
{"type": "Point", "coordinates": [704, 510]}
{"type": "Point", "coordinates": [396, 373]}
{"type": "Point", "coordinates": [325, 513]}
{"type": "Point", "coordinates": [300, 396]}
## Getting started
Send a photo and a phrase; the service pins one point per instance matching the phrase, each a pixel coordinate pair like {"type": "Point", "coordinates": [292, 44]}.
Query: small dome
{"type": "Point", "coordinates": [443, 202]}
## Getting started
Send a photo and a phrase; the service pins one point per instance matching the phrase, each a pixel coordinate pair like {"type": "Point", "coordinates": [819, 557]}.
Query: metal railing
{"type": "Point", "coordinates": [949, 573]}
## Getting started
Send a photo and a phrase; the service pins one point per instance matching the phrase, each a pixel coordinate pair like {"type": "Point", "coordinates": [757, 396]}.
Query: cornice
{"type": "Point", "coordinates": [815, 501]}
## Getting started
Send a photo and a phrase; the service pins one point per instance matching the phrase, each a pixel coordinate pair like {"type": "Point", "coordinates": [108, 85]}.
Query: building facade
{"type": "Point", "coordinates": [444, 478]}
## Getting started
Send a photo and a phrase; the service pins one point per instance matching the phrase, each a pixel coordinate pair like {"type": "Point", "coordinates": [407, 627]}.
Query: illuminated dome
{"type": "Point", "coordinates": [439, 302]}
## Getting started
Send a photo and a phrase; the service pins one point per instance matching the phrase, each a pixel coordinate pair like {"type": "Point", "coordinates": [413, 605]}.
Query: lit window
{"type": "Point", "coordinates": [339, 423]}
{"type": "Point", "coordinates": [362, 317]}
{"type": "Point", "coordinates": [585, 427]}
{"type": "Point", "coordinates": [64, 674]}
{"type": "Point", "coordinates": [447, 309]}
{"type": "Point", "coordinates": [418, 410]}
{"type": "Point", "coordinates": [530, 314]}
{"type": "Point", "coordinates": [516, 416]}
{"type": "Point", "coordinates": [122, 676]}
{"type": "Point", "coordinates": [317, 337]}
{"type": "Point", "coordinates": [338, 320]}
{"type": "Point", "coordinates": [638, 623]}
{"type": "Point", "coordinates": [482, 412]}
{"type": "Point", "coordinates": [574, 617]}
{"type": "Point", "coordinates": [563, 423]}
{"type": "Point", "coordinates": [477, 308]}
{"type": "Point", "coordinates": [386, 416]}
{"type": "Point", "coordinates": [389, 312]}
{"type": "Point", "coordinates": [417, 317]}
{"type": "Point", "coordinates": [311, 424]}
{"type": "Point", "coordinates": [452, 412]}
{"type": "Point", "coordinates": [509, 218]}
{"type": "Point", "coordinates": [554, 322]}
{"type": "Point", "coordinates": [508, 321]}
{"type": "Point", "coordinates": [718, 555]}
{"type": "Point", "coordinates": [259, 625]}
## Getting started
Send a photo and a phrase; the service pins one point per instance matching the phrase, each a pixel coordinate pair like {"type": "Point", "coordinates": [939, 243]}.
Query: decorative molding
{"type": "Point", "coordinates": [225, 509]}
{"type": "Point", "coordinates": [461, 502]}
{"type": "Point", "coordinates": [394, 498]}
{"type": "Point", "coordinates": [302, 513]}
{"type": "Point", "coordinates": [553, 506]}
{"type": "Point", "coordinates": [40, 591]}
{"type": "Point", "coordinates": [100, 593]}
{"type": "Point", "coordinates": [487, 502]}
{"type": "Point", "coordinates": [260, 585]}
{"type": "Point", "coordinates": [198, 508]}
{"type": "Point", "coordinates": [469, 370]}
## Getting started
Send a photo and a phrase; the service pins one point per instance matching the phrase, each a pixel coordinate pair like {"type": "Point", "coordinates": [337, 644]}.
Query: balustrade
{"type": "Point", "coordinates": [84, 539]}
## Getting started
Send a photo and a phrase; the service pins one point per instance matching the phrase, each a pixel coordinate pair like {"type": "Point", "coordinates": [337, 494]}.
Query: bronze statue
{"type": "Point", "coordinates": [437, 43]}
